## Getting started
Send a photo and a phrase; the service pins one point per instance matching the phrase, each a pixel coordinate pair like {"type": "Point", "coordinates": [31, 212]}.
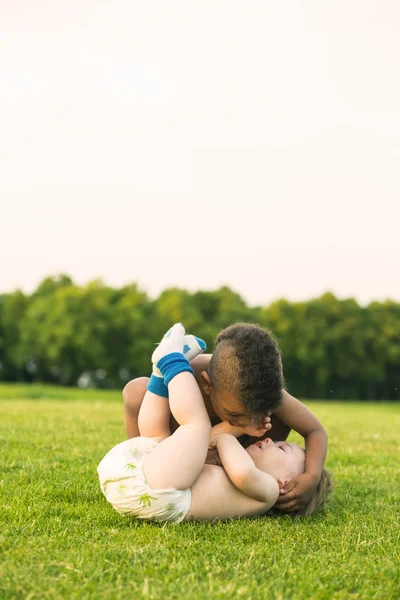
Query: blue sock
{"type": "Point", "coordinates": [157, 386]}
{"type": "Point", "coordinates": [192, 348]}
{"type": "Point", "coordinates": [172, 364]}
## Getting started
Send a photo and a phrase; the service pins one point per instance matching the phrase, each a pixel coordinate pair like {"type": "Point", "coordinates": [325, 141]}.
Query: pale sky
{"type": "Point", "coordinates": [199, 143]}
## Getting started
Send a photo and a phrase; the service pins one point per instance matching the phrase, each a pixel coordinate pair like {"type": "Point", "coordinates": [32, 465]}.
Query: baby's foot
{"type": "Point", "coordinates": [168, 356]}
{"type": "Point", "coordinates": [171, 342]}
{"type": "Point", "coordinates": [193, 346]}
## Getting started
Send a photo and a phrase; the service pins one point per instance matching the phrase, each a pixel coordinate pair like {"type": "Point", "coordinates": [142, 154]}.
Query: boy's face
{"type": "Point", "coordinates": [225, 405]}
{"type": "Point", "coordinates": [229, 409]}
{"type": "Point", "coordinates": [281, 460]}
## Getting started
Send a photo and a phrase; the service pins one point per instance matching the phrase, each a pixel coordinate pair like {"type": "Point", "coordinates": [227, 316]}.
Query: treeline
{"type": "Point", "coordinates": [99, 336]}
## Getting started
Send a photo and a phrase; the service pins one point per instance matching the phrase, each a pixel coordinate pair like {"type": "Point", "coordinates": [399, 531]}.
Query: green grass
{"type": "Point", "coordinates": [60, 539]}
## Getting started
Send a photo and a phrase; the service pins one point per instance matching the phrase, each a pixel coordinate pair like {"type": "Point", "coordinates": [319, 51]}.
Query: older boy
{"type": "Point", "coordinates": [242, 383]}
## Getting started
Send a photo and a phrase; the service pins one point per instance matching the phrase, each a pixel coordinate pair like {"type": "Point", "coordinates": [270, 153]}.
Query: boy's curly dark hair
{"type": "Point", "coordinates": [247, 363]}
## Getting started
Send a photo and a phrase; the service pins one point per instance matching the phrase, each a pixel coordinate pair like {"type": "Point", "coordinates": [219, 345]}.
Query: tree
{"type": "Point", "coordinates": [12, 312]}
{"type": "Point", "coordinates": [102, 336]}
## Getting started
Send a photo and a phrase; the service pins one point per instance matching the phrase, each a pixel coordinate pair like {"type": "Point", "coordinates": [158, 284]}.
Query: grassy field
{"type": "Point", "coordinates": [60, 539]}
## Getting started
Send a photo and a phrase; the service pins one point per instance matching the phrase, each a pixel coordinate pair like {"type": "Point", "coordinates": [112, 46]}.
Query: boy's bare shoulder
{"type": "Point", "coordinates": [200, 363]}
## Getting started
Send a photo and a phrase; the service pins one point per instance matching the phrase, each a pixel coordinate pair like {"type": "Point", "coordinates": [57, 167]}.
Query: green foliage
{"type": "Point", "coordinates": [335, 348]}
{"type": "Point", "coordinates": [12, 315]}
{"type": "Point", "coordinates": [98, 336]}
{"type": "Point", "coordinates": [59, 538]}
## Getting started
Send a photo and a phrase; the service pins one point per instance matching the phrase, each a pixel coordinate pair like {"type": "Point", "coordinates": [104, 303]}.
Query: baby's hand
{"type": "Point", "coordinates": [213, 440]}
{"type": "Point", "coordinates": [259, 428]}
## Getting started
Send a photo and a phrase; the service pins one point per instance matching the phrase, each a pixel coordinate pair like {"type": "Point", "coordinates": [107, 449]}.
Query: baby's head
{"type": "Point", "coordinates": [284, 460]}
{"type": "Point", "coordinates": [281, 460]}
{"type": "Point", "coordinates": [244, 378]}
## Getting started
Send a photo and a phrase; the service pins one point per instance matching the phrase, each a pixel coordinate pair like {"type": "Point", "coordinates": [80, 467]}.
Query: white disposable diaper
{"type": "Point", "coordinates": [123, 483]}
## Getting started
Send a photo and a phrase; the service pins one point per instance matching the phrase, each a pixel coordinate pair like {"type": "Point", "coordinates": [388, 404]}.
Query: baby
{"type": "Point", "coordinates": [243, 388]}
{"type": "Point", "coordinates": [164, 477]}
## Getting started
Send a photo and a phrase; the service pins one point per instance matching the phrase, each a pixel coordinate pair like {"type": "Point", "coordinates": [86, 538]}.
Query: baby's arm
{"type": "Point", "coordinates": [225, 427]}
{"type": "Point", "coordinates": [255, 429]}
{"type": "Point", "coordinates": [213, 457]}
{"type": "Point", "coordinates": [243, 473]}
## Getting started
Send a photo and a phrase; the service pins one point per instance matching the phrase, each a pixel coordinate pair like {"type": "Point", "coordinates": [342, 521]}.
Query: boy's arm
{"type": "Point", "coordinates": [297, 492]}
{"type": "Point", "coordinates": [243, 473]}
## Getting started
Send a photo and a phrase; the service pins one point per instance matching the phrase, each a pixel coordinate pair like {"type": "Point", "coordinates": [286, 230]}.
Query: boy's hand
{"type": "Point", "coordinates": [257, 429]}
{"type": "Point", "coordinates": [296, 492]}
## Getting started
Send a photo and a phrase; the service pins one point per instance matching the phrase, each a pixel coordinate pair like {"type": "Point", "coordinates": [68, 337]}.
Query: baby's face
{"type": "Point", "coordinates": [281, 460]}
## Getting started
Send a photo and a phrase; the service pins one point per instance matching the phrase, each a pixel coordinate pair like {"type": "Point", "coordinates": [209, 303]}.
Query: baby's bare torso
{"type": "Point", "coordinates": [215, 497]}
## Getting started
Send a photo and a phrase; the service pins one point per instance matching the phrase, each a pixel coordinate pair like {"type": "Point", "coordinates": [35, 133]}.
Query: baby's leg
{"type": "Point", "coordinates": [134, 391]}
{"type": "Point", "coordinates": [154, 413]}
{"type": "Point", "coordinates": [154, 417]}
{"type": "Point", "coordinates": [178, 460]}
